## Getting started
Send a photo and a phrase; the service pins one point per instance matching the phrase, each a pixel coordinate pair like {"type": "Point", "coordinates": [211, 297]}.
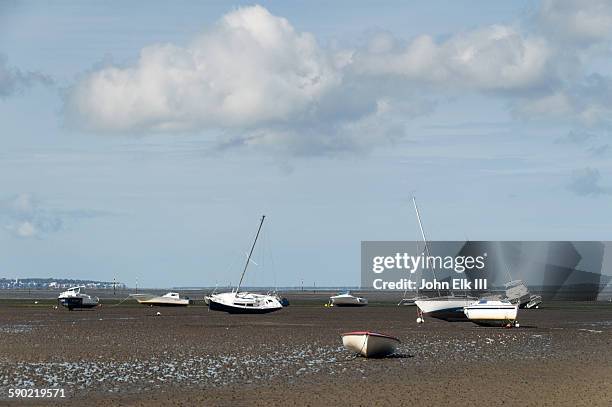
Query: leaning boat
{"type": "Point", "coordinates": [518, 293]}
{"type": "Point", "coordinates": [166, 300]}
{"type": "Point", "coordinates": [237, 302]}
{"type": "Point", "coordinates": [492, 312]}
{"type": "Point", "coordinates": [370, 344]}
{"type": "Point", "coordinates": [449, 308]}
{"type": "Point", "coordinates": [73, 298]}
{"type": "Point", "coordinates": [244, 303]}
{"type": "Point", "coordinates": [346, 299]}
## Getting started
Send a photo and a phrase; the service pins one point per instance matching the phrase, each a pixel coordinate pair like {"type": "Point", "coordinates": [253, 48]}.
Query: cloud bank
{"type": "Point", "coordinates": [258, 81]}
{"type": "Point", "coordinates": [253, 68]}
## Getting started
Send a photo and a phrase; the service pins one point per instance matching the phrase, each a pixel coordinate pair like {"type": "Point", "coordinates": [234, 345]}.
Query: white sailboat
{"type": "Point", "coordinates": [73, 298]}
{"type": "Point", "coordinates": [448, 308]}
{"type": "Point", "coordinates": [492, 312]}
{"type": "Point", "coordinates": [346, 299]}
{"type": "Point", "coordinates": [411, 301]}
{"type": "Point", "coordinates": [237, 302]}
{"type": "Point", "coordinates": [167, 300]}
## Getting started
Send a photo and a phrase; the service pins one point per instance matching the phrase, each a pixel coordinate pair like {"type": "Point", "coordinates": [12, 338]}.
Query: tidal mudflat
{"type": "Point", "coordinates": [129, 355]}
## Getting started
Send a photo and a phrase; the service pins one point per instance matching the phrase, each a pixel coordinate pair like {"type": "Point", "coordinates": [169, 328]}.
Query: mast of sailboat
{"type": "Point", "coordinates": [416, 208]}
{"type": "Point", "coordinates": [250, 253]}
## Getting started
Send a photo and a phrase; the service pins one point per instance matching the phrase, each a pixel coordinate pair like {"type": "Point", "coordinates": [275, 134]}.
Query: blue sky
{"type": "Point", "coordinates": [144, 140]}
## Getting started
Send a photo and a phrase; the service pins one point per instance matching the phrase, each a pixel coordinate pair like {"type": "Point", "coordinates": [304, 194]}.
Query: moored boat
{"type": "Point", "coordinates": [237, 302]}
{"type": "Point", "coordinates": [518, 293]}
{"type": "Point", "coordinates": [449, 308]}
{"type": "Point", "coordinates": [346, 299]}
{"type": "Point", "coordinates": [167, 300]}
{"type": "Point", "coordinates": [73, 298]}
{"type": "Point", "coordinates": [370, 344]}
{"type": "Point", "coordinates": [492, 312]}
{"type": "Point", "coordinates": [244, 303]}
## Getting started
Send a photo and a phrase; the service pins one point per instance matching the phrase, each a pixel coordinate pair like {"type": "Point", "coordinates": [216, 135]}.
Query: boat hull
{"type": "Point", "coordinates": [77, 303]}
{"type": "Point", "coordinates": [161, 301]}
{"type": "Point", "coordinates": [448, 309]}
{"type": "Point", "coordinates": [411, 302]}
{"type": "Point", "coordinates": [370, 344]}
{"type": "Point", "coordinates": [348, 305]}
{"type": "Point", "coordinates": [348, 301]}
{"type": "Point", "coordinates": [492, 315]}
{"type": "Point", "coordinates": [164, 304]}
{"type": "Point", "coordinates": [235, 309]}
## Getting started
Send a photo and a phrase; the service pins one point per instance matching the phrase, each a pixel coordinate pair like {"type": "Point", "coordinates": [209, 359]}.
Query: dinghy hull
{"type": "Point", "coordinates": [370, 344]}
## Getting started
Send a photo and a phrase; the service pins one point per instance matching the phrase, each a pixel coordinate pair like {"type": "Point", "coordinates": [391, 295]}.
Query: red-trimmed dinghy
{"type": "Point", "coordinates": [370, 344]}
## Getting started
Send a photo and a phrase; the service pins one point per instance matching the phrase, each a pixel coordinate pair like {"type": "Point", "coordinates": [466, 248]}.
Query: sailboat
{"type": "Point", "coordinates": [448, 308]}
{"type": "Point", "coordinates": [237, 302]}
{"type": "Point", "coordinates": [411, 301]}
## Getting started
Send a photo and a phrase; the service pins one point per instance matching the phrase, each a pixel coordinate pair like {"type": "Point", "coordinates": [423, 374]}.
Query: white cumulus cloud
{"type": "Point", "coordinates": [497, 57]}
{"type": "Point", "coordinates": [254, 80]}
{"type": "Point", "coordinates": [251, 68]}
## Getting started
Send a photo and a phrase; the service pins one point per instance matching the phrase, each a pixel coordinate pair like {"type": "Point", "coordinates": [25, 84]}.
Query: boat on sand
{"type": "Point", "coordinates": [492, 312]}
{"type": "Point", "coordinates": [370, 344]}
{"type": "Point", "coordinates": [242, 302]}
{"type": "Point", "coordinates": [346, 299]}
{"type": "Point", "coordinates": [73, 298]}
{"type": "Point", "coordinates": [448, 308]}
{"type": "Point", "coordinates": [166, 300]}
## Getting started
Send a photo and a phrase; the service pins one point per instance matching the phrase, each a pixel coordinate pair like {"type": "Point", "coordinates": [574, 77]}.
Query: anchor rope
{"type": "Point", "coordinates": [120, 302]}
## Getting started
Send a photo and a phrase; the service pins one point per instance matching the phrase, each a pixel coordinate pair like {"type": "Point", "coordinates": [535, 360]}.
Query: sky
{"type": "Point", "coordinates": [143, 141]}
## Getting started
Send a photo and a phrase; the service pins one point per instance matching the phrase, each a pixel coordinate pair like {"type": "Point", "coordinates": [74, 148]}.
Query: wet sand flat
{"type": "Point", "coordinates": [126, 355]}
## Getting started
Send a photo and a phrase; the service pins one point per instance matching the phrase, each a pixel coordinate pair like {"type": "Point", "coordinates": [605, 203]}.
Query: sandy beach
{"type": "Point", "coordinates": [127, 355]}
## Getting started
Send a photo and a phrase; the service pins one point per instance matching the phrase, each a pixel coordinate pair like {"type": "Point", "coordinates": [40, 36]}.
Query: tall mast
{"type": "Point", "coordinates": [250, 254]}
{"type": "Point", "coordinates": [416, 208]}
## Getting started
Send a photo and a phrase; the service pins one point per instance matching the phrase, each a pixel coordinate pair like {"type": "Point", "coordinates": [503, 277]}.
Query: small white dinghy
{"type": "Point", "coordinates": [346, 299]}
{"type": "Point", "coordinates": [492, 312]}
{"type": "Point", "coordinates": [370, 344]}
